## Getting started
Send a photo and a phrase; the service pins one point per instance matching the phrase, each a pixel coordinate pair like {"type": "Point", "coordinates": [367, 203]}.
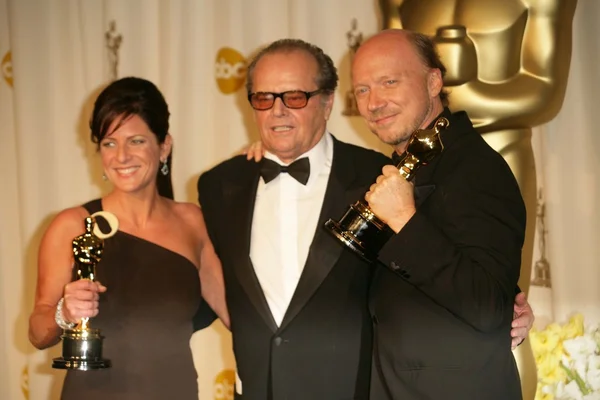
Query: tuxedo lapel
{"type": "Point", "coordinates": [241, 198]}
{"type": "Point", "coordinates": [325, 250]}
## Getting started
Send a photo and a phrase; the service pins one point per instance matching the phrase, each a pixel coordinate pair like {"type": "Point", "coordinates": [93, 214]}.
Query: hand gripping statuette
{"type": "Point", "coordinates": [82, 345]}
{"type": "Point", "coordinates": [360, 229]}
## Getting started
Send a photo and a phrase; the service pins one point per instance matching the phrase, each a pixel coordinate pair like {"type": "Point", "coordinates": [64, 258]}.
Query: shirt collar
{"type": "Point", "coordinates": [320, 157]}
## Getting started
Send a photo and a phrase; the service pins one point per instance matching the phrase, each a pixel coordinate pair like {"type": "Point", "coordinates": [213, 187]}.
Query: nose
{"type": "Point", "coordinates": [279, 109]}
{"type": "Point", "coordinates": [376, 101]}
{"type": "Point", "coordinates": [122, 153]}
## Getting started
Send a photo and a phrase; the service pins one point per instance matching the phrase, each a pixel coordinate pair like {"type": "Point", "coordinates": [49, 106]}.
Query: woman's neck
{"type": "Point", "coordinates": [134, 210]}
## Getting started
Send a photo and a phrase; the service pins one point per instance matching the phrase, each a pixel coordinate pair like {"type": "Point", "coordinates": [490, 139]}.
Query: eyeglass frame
{"type": "Point", "coordinates": [280, 96]}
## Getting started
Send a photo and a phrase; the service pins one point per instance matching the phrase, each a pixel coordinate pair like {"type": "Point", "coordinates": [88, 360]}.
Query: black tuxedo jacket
{"type": "Point", "coordinates": [442, 303]}
{"type": "Point", "coordinates": [322, 350]}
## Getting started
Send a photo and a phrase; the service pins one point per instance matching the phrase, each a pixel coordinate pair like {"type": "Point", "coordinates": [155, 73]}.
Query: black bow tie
{"type": "Point", "coordinates": [299, 170]}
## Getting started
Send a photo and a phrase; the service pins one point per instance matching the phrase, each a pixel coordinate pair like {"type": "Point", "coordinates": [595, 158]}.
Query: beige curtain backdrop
{"type": "Point", "coordinates": [54, 60]}
{"type": "Point", "coordinates": [568, 169]}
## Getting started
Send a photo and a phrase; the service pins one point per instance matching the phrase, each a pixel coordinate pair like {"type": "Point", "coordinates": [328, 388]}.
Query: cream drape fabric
{"type": "Point", "coordinates": [14, 297]}
{"type": "Point", "coordinates": [192, 50]}
{"type": "Point", "coordinates": [569, 169]}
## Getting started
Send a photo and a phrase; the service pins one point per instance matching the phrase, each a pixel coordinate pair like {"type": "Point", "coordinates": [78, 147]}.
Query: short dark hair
{"type": "Point", "coordinates": [327, 78]}
{"type": "Point", "coordinates": [427, 52]}
{"type": "Point", "coordinates": [124, 98]}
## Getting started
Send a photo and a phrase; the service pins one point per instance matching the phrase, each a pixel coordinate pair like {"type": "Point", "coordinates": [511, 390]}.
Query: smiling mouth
{"type": "Point", "coordinates": [382, 120]}
{"type": "Point", "coordinates": [284, 128]}
{"type": "Point", "coordinates": [126, 171]}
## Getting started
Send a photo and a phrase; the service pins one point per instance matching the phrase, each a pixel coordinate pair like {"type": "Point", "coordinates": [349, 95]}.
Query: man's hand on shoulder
{"type": "Point", "coordinates": [255, 151]}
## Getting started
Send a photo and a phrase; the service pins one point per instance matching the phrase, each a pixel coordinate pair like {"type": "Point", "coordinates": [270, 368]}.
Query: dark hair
{"type": "Point", "coordinates": [427, 52]}
{"type": "Point", "coordinates": [327, 78]}
{"type": "Point", "coordinates": [124, 98]}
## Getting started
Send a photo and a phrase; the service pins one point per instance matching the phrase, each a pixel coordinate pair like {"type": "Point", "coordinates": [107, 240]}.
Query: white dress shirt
{"type": "Point", "coordinates": [285, 220]}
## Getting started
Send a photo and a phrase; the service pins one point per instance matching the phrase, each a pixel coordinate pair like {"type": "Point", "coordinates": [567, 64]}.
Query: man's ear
{"type": "Point", "coordinates": [435, 82]}
{"type": "Point", "coordinates": [328, 104]}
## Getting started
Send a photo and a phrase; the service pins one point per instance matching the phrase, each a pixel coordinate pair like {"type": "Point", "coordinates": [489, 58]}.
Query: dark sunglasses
{"type": "Point", "coordinates": [291, 99]}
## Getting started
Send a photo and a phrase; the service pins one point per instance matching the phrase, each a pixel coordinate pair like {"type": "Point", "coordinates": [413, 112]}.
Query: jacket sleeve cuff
{"type": "Point", "coordinates": [412, 257]}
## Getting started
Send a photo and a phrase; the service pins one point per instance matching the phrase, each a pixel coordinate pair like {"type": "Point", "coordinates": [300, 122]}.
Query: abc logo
{"type": "Point", "coordinates": [6, 66]}
{"type": "Point", "coordinates": [225, 385]}
{"type": "Point", "coordinates": [230, 70]}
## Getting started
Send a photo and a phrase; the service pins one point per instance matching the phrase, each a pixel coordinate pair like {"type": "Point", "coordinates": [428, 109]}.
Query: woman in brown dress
{"type": "Point", "coordinates": [154, 273]}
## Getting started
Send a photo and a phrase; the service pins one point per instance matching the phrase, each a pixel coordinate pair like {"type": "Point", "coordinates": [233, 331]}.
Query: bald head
{"type": "Point", "coordinates": [385, 40]}
{"type": "Point", "coordinates": [397, 89]}
{"type": "Point", "coordinates": [407, 42]}
{"type": "Point", "coordinates": [393, 46]}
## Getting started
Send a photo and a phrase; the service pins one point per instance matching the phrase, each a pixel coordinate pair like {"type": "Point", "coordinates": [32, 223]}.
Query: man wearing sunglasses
{"type": "Point", "coordinates": [297, 300]}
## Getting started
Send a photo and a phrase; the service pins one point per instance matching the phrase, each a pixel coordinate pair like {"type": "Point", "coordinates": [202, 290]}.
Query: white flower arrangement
{"type": "Point", "coordinates": [568, 361]}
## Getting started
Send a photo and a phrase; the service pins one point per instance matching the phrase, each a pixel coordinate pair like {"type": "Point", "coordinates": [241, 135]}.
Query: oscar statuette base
{"type": "Point", "coordinates": [361, 231]}
{"type": "Point", "coordinates": [82, 350]}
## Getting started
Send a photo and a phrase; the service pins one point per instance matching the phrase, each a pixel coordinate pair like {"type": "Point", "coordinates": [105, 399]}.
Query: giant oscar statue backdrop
{"type": "Point", "coordinates": [508, 63]}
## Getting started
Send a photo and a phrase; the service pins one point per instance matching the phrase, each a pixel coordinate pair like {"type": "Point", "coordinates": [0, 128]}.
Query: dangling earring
{"type": "Point", "coordinates": [165, 168]}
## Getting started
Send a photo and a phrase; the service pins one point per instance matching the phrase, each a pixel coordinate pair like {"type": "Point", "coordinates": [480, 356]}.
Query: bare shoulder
{"type": "Point", "coordinates": [55, 248]}
{"type": "Point", "coordinates": [189, 212]}
{"type": "Point", "coordinates": [191, 218]}
{"type": "Point", "coordinates": [67, 223]}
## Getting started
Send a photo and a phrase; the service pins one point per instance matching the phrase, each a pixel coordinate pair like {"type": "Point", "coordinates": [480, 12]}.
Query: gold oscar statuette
{"type": "Point", "coordinates": [113, 43]}
{"type": "Point", "coordinates": [355, 38]}
{"type": "Point", "coordinates": [360, 229]}
{"type": "Point", "coordinates": [82, 345]}
{"type": "Point", "coordinates": [541, 268]}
